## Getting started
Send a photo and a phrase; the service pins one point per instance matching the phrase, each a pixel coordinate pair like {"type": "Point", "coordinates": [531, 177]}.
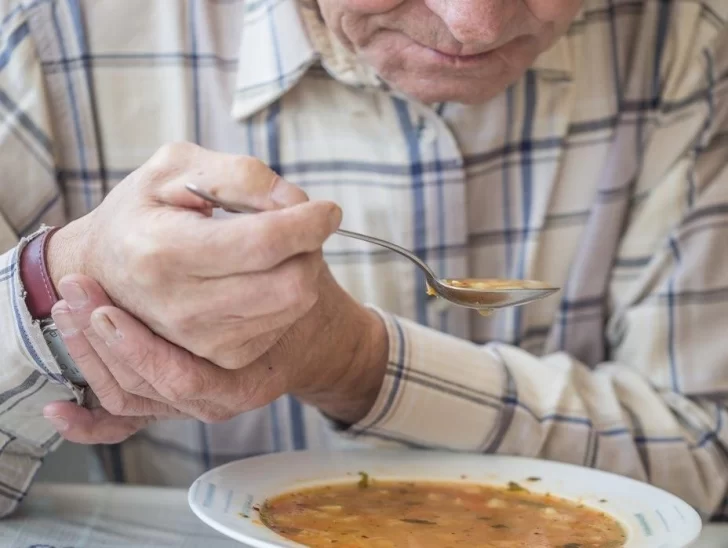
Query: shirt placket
{"type": "Point", "coordinates": [437, 227]}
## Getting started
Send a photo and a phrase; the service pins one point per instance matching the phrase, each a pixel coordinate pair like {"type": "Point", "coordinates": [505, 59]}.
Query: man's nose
{"type": "Point", "coordinates": [474, 21]}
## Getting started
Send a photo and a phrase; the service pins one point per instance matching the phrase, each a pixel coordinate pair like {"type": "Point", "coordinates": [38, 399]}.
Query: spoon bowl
{"type": "Point", "coordinates": [479, 294]}
{"type": "Point", "coordinates": [486, 295]}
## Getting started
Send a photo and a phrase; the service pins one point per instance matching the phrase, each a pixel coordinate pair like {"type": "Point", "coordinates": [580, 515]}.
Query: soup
{"type": "Point", "coordinates": [485, 295]}
{"type": "Point", "coordinates": [488, 285]}
{"type": "Point", "coordinates": [494, 284]}
{"type": "Point", "coordinates": [386, 514]}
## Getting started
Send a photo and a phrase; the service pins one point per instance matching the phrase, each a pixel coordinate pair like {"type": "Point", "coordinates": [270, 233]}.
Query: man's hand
{"type": "Point", "coordinates": [225, 289]}
{"type": "Point", "coordinates": [334, 358]}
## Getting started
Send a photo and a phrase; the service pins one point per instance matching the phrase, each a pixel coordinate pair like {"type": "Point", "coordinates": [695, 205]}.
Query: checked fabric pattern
{"type": "Point", "coordinates": [603, 170]}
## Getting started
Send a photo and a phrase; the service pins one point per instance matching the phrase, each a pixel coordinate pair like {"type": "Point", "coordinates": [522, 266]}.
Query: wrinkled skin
{"type": "Point", "coordinates": [449, 50]}
{"type": "Point", "coordinates": [206, 317]}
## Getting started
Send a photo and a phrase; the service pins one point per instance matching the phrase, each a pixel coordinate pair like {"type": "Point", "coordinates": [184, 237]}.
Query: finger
{"type": "Point", "coordinates": [162, 365]}
{"type": "Point", "coordinates": [97, 375]}
{"type": "Point", "coordinates": [91, 426]}
{"type": "Point", "coordinates": [290, 288]}
{"type": "Point", "coordinates": [191, 384]}
{"type": "Point", "coordinates": [248, 243]}
{"type": "Point", "coordinates": [126, 392]}
{"type": "Point", "coordinates": [266, 308]}
{"type": "Point", "coordinates": [84, 295]}
{"type": "Point", "coordinates": [238, 179]}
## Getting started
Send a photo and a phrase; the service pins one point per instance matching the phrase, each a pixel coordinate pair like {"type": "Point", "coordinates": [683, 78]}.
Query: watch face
{"type": "Point", "coordinates": [58, 349]}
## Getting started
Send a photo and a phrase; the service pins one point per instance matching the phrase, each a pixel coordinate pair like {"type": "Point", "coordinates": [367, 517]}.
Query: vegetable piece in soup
{"type": "Point", "coordinates": [394, 514]}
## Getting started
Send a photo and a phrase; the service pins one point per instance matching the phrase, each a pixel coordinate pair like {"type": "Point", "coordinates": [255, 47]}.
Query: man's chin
{"type": "Point", "coordinates": [432, 90]}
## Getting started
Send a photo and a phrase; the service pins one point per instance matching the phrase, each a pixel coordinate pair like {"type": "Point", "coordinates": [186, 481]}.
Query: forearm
{"type": "Point", "coordinates": [440, 391]}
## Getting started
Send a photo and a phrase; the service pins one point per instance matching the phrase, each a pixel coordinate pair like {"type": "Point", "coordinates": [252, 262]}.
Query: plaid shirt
{"type": "Point", "coordinates": [603, 170]}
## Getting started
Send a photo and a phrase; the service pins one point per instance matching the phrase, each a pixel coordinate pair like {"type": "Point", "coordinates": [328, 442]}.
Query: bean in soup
{"type": "Point", "coordinates": [395, 514]}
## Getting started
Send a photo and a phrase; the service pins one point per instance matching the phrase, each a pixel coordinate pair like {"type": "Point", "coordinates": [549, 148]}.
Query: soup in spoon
{"type": "Point", "coordinates": [485, 295]}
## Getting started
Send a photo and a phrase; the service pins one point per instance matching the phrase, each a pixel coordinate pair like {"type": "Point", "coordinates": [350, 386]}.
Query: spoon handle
{"type": "Point", "coordinates": [393, 247]}
{"type": "Point", "coordinates": [235, 208]}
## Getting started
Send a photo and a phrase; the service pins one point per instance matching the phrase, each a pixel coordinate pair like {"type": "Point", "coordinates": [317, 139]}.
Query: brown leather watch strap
{"type": "Point", "coordinates": [41, 294]}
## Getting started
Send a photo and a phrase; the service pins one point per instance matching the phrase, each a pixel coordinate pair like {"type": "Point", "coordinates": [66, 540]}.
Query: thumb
{"type": "Point", "coordinates": [91, 426]}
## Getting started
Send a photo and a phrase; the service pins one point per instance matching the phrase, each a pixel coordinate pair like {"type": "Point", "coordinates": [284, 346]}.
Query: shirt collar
{"type": "Point", "coordinates": [275, 52]}
{"type": "Point", "coordinates": [282, 39]}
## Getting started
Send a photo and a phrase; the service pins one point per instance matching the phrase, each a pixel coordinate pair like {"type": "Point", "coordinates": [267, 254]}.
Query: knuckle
{"type": "Point", "coordinates": [249, 166]}
{"type": "Point", "coordinates": [259, 179]}
{"type": "Point", "coordinates": [138, 356]}
{"type": "Point", "coordinates": [154, 367]}
{"type": "Point", "coordinates": [144, 254]}
{"type": "Point", "coordinates": [151, 256]}
{"type": "Point", "coordinates": [168, 161]}
{"type": "Point", "coordinates": [255, 177]}
{"type": "Point", "coordinates": [170, 154]}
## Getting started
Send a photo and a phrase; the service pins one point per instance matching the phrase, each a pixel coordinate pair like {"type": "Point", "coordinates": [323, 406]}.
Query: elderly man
{"type": "Point", "coordinates": [582, 143]}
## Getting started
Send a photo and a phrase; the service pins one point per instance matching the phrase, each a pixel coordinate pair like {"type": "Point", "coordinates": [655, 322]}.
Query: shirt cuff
{"type": "Point", "coordinates": [432, 382]}
{"type": "Point", "coordinates": [32, 377]}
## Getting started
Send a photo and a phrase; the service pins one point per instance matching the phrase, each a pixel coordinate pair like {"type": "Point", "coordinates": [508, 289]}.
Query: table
{"type": "Point", "coordinates": [111, 516]}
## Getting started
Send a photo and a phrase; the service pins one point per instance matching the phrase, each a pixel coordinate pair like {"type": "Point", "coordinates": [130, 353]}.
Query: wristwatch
{"type": "Point", "coordinates": [40, 296]}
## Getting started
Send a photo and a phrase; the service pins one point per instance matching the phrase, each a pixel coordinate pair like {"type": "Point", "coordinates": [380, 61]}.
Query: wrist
{"type": "Point", "coordinates": [64, 252]}
{"type": "Point", "coordinates": [367, 373]}
{"type": "Point", "coordinates": [349, 390]}
{"type": "Point", "coordinates": [40, 293]}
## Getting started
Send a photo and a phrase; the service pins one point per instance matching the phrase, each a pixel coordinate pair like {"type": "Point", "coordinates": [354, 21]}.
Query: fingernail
{"type": "Point", "coordinates": [59, 423]}
{"type": "Point", "coordinates": [335, 218]}
{"type": "Point", "coordinates": [105, 327]}
{"type": "Point", "coordinates": [285, 194]}
{"type": "Point", "coordinates": [64, 323]}
{"type": "Point", "coordinates": [73, 294]}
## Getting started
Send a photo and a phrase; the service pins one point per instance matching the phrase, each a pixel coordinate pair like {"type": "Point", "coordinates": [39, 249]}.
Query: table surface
{"type": "Point", "coordinates": [106, 516]}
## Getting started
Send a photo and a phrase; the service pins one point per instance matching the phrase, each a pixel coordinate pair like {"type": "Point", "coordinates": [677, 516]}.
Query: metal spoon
{"type": "Point", "coordinates": [482, 295]}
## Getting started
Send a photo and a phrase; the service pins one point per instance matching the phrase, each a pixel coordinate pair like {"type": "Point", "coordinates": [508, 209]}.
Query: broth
{"type": "Point", "coordinates": [483, 302]}
{"type": "Point", "coordinates": [493, 285]}
{"type": "Point", "coordinates": [393, 514]}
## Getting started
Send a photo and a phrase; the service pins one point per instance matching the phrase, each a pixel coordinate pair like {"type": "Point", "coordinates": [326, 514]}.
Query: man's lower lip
{"type": "Point", "coordinates": [459, 59]}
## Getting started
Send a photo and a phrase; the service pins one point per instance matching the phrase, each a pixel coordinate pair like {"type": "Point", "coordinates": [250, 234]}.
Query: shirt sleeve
{"type": "Point", "coordinates": [29, 376]}
{"type": "Point", "coordinates": [658, 410]}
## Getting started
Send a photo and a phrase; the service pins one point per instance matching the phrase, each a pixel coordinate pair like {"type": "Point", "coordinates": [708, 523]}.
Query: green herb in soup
{"type": "Point", "coordinates": [393, 514]}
